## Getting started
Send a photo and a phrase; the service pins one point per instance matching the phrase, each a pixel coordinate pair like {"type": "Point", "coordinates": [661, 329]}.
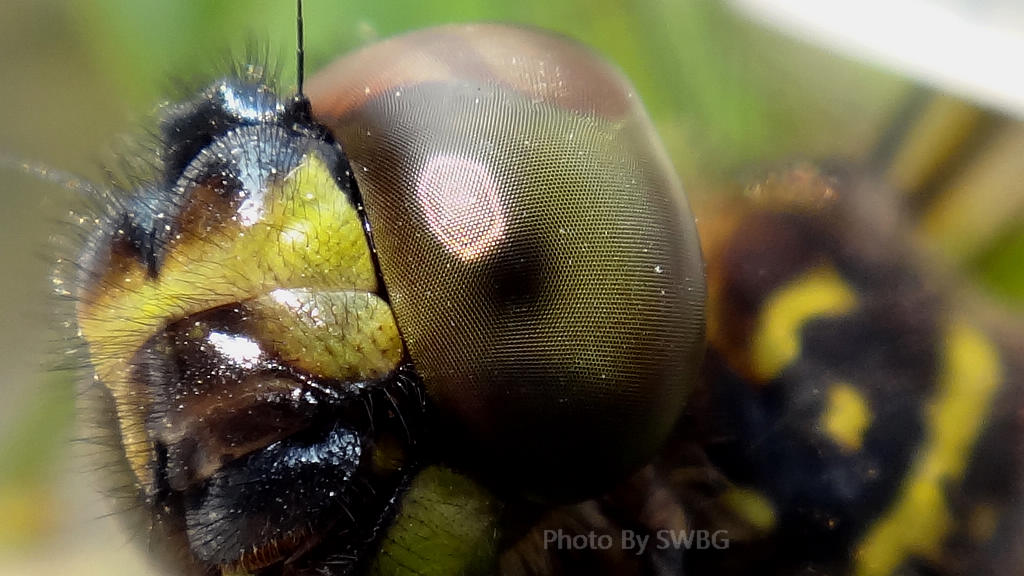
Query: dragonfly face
{"type": "Point", "coordinates": [465, 256]}
{"type": "Point", "coordinates": [443, 318]}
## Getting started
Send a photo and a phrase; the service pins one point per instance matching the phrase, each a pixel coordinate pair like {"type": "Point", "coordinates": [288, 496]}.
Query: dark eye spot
{"type": "Point", "coordinates": [519, 272]}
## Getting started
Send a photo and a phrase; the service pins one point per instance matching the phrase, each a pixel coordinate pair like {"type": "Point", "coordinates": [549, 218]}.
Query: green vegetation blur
{"type": "Point", "coordinates": [730, 100]}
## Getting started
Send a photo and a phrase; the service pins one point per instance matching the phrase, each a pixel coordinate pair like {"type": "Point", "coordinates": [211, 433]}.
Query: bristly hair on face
{"type": "Point", "coordinates": [129, 165]}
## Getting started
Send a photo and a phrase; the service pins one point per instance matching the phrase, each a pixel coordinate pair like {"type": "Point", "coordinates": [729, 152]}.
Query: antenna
{"type": "Point", "coordinates": [300, 51]}
{"type": "Point", "coordinates": [65, 180]}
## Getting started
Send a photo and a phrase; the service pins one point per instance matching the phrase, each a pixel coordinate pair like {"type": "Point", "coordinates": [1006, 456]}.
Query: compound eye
{"type": "Point", "coordinates": [539, 253]}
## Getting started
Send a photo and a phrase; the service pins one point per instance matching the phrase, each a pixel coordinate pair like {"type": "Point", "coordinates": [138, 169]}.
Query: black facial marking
{"type": "Point", "coordinates": [254, 459]}
{"type": "Point", "coordinates": [210, 407]}
{"type": "Point", "coordinates": [136, 234]}
{"type": "Point", "coordinates": [233, 138]}
{"type": "Point", "coordinates": [291, 487]}
{"type": "Point", "coordinates": [190, 127]}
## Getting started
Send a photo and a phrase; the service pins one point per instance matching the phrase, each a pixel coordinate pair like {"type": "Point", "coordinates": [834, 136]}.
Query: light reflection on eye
{"type": "Point", "coordinates": [250, 109]}
{"type": "Point", "coordinates": [460, 201]}
{"type": "Point", "coordinates": [300, 302]}
{"type": "Point", "coordinates": [252, 173]}
{"type": "Point", "coordinates": [242, 351]}
{"type": "Point", "coordinates": [286, 298]}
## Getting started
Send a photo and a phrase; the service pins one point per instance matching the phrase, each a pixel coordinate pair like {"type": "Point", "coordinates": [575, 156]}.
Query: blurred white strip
{"type": "Point", "coordinates": [974, 48]}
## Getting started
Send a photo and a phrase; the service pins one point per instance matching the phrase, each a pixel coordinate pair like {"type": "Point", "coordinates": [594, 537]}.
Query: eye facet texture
{"type": "Point", "coordinates": [538, 250]}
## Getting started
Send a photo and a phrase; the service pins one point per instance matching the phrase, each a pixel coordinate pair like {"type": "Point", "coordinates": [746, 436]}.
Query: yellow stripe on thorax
{"type": "Point", "coordinates": [920, 518]}
{"type": "Point", "coordinates": [776, 339]}
{"type": "Point", "coordinates": [753, 506]}
{"type": "Point", "coordinates": [847, 416]}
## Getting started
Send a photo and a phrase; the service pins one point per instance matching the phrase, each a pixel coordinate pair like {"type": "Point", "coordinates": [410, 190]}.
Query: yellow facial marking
{"type": "Point", "coordinates": [349, 336]}
{"type": "Point", "coordinates": [920, 518]}
{"type": "Point", "coordinates": [216, 260]}
{"type": "Point", "coordinates": [754, 507]}
{"type": "Point", "coordinates": [846, 417]}
{"type": "Point", "coordinates": [820, 292]}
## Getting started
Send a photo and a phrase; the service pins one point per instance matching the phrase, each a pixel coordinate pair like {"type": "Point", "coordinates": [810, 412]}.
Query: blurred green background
{"type": "Point", "coordinates": [729, 99]}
